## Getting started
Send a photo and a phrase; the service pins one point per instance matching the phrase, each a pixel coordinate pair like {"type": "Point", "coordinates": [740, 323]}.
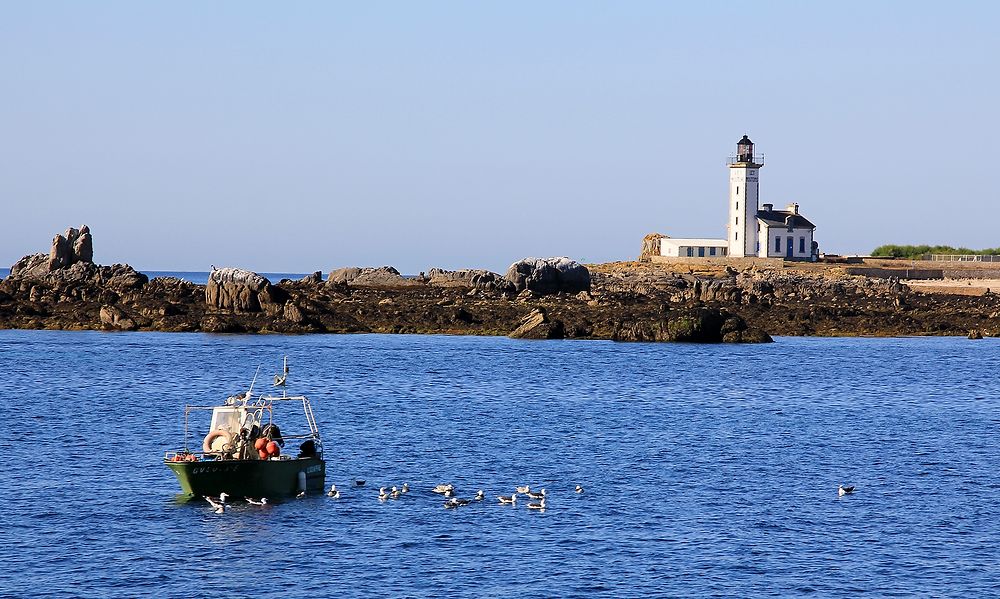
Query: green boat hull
{"type": "Point", "coordinates": [250, 478]}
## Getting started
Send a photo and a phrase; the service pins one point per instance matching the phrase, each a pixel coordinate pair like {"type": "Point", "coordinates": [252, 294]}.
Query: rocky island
{"type": "Point", "coordinates": [538, 298]}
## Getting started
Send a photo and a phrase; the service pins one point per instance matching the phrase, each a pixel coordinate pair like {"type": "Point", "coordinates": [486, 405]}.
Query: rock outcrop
{"type": "Point", "coordinates": [75, 246]}
{"type": "Point", "coordinates": [537, 325]}
{"type": "Point", "coordinates": [650, 246]}
{"type": "Point", "coordinates": [383, 276]}
{"type": "Point", "coordinates": [482, 280]}
{"type": "Point", "coordinates": [546, 276]}
{"type": "Point", "coordinates": [236, 290]}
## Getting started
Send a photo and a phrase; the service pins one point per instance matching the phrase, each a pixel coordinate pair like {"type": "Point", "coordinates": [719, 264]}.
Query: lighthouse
{"type": "Point", "coordinates": [744, 169]}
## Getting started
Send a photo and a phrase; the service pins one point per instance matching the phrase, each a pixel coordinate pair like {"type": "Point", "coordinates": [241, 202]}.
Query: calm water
{"type": "Point", "coordinates": [709, 470]}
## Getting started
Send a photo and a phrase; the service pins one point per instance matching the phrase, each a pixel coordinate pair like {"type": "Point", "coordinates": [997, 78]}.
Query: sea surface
{"type": "Point", "coordinates": [709, 470]}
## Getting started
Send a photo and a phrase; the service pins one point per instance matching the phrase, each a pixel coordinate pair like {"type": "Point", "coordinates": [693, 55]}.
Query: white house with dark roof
{"type": "Point", "coordinates": [753, 230]}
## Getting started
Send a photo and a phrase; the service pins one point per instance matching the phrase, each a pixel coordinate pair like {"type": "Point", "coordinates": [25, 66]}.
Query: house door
{"type": "Point", "coordinates": [790, 248]}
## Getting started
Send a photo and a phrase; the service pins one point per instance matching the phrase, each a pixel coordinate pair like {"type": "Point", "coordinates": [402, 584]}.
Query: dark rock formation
{"type": "Point", "coordinates": [700, 325]}
{"type": "Point", "coordinates": [547, 276]}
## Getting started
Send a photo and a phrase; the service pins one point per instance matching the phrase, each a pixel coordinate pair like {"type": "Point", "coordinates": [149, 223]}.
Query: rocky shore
{"type": "Point", "coordinates": [549, 298]}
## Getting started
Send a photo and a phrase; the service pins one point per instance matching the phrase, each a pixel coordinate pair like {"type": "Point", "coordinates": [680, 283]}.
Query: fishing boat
{"type": "Point", "coordinates": [242, 451]}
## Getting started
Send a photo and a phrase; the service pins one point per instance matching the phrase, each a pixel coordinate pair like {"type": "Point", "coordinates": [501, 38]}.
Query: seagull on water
{"type": "Point", "coordinates": [442, 489]}
{"type": "Point", "coordinates": [480, 495]}
{"type": "Point", "coordinates": [300, 495]}
{"type": "Point", "coordinates": [219, 507]}
{"type": "Point", "coordinates": [333, 492]}
{"type": "Point", "coordinates": [538, 495]}
{"type": "Point", "coordinates": [382, 495]}
{"type": "Point", "coordinates": [456, 502]}
{"type": "Point", "coordinates": [523, 490]}
{"type": "Point", "coordinates": [395, 493]}
{"type": "Point", "coordinates": [537, 506]}
{"type": "Point", "coordinates": [263, 501]}
{"type": "Point", "coordinates": [579, 489]}
{"type": "Point", "coordinates": [511, 499]}
{"type": "Point", "coordinates": [406, 488]}
{"type": "Point", "coordinates": [842, 490]}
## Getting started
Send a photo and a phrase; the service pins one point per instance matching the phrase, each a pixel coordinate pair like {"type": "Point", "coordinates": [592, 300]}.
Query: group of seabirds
{"type": "Point", "coordinates": [451, 501]}
{"type": "Point", "coordinates": [447, 491]}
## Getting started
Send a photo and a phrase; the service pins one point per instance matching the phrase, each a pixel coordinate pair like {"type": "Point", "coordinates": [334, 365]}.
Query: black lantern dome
{"type": "Point", "coordinates": [744, 150]}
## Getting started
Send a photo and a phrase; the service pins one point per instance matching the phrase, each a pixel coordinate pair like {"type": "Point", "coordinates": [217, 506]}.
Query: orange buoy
{"type": "Point", "coordinates": [260, 443]}
{"type": "Point", "coordinates": [176, 458]}
{"type": "Point", "coordinates": [273, 449]}
{"type": "Point", "coordinates": [262, 454]}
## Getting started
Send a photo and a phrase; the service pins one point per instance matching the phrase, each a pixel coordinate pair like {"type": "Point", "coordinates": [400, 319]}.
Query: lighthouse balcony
{"type": "Point", "coordinates": [757, 159]}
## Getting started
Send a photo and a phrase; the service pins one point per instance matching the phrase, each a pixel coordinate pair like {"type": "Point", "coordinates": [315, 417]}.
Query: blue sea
{"type": "Point", "coordinates": [709, 470]}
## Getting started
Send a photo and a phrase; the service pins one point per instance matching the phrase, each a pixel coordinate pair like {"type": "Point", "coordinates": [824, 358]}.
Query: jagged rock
{"type": "Point", "coordinates": [316, 277]}
{"type": "Point", "coordinates": [474, 278]}
{"type": "Point", "coordinates": [975, 334]}
{"type": "Point", "coordinates": [114, 317]}
{"type": "Point", "coordinates": [29, 265]}
{"type": "Point", "coordinates": [549, 275]}
{"type": "Point", "coordinates": [293, 313]}
{"type": "Point", "coordinates": [76, 245]}
{"type": "Point", "coordinates": [651, 246]}
{"type": "Point", "coordinates": [537, 325]}
{"type": "Point", "coordinates": [237, 290]}
{"type": "Point", "coordinates": [383, 276]}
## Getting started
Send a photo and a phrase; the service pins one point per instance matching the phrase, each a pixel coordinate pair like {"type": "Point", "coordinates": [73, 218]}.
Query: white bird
{"type": "Point", "coordinates": [512, 499]}
{"type": "Point", "coordinates": [538, 495]}
{"type": "Point", "coordinates": [406, 488]}
{"type": "Point", "coordinates": [523, 490]}
{"type": "Point", "coordinates": [333, 489]}
{"type": "Point", "coordinates": [395, 493]}
{"type": "Point", "coordinates": [579, 489]}
{"type": "Point", "coordinates": [442, 489]}
{"type": "Point", "coordinates": [300, 495]}
{"type": "Point", "coordinates": [449, 493]}
{"type": "Point", "coordinates": [842, 490]}
{"type": "Point", "coordinates": [537, 506]}
{"type": "Point", "coordinates": [263, 501]}
{"type": "Point", "coordinates": [382, 495]}
{"type": "Point", "coordinates": [218, 507]}
{"type": "Point", "coordinates": [480, 495]}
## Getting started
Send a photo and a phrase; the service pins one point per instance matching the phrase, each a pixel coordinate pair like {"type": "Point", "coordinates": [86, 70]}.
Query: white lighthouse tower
{"type": "Point", "coordinates": [743, 175]}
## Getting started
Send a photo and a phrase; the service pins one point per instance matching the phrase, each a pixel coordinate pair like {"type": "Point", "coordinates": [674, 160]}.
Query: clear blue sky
{"type": "Point", "coordinates": [296, 136]}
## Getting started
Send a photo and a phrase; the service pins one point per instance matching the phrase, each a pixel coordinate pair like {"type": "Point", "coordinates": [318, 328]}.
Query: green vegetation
{"type": "Point", "coordinates": [916, 251]}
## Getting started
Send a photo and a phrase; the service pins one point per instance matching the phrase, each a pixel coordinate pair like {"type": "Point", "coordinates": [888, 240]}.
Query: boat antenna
{"type": "Point", "coordinates": [250, 391]}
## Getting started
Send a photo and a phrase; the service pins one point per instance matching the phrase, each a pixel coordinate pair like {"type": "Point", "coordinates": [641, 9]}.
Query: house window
{"type": "Point", "coordinates": [737, 205]}
{"type": "Point", "coordinates": [737, 235]}
{"type": "Point", "coordinates": [802, 245]}
{"type": "Point", "coordinates": [737, 220]}
{"type": "Point", "coordinates": [711, 251]}
{"type": "Point", "coordinates": [690, 253]}
{"type": "Point", "coordinates": [737, 190]}
{"type": "Point", "coordinates": [701, 252]}
{"type": "Point", "coordinates": [758, 247]}
{"type": "Point", "coordinates": [777, 243]}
